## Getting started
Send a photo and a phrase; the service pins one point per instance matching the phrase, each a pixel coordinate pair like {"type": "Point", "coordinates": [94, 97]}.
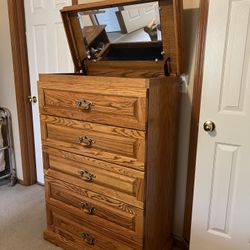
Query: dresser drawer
{"type": "Point", "coordinates": [116, 145]}
{"type": "Point", "coordinates": [102, 177]}
{"type": "Point", "coordinates": [64, 230]}
{"type": "Point", "coordinates": [114, 101]}
{"type": "Point", "coordinates": [97, 210]}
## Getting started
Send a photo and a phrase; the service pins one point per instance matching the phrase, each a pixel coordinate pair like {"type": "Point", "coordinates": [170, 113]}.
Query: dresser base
{"type": "Point", "coordinates": [57, 240]}
{"type": "Point", "coordinates": [68, 245]}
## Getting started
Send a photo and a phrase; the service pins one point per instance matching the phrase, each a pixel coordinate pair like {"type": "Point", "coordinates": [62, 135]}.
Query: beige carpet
{"type": "Point", "coordinates": [22, 218]}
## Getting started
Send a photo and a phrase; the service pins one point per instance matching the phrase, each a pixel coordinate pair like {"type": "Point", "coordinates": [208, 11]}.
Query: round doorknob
{"type": "Point", "coordinates": [209, 126]}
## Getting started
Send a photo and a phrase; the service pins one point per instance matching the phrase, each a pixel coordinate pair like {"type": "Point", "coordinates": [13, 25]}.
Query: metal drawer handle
{"type": "Point", "coordinates": [89, 239]}
{"type": "Point", "coordinates": [84, 105]}
{"type": "Point", "coordinates": [86, 175]}
{"type": "Point", "coordinates": [88, 141]}
{"type": "Point", "coordinates": [87, 207]}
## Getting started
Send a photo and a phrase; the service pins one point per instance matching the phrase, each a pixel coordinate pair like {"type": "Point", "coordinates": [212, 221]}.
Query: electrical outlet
{"type": "Point", "coordinates": [184, 83]}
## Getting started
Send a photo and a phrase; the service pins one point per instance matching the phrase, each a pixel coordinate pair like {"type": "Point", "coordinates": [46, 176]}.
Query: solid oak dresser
{"type": "Point", "coordinates": [109, 134]}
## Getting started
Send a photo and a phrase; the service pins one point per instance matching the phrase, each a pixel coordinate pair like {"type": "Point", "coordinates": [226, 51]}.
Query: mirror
{"type": "Point", "coordinates": [129, 32]}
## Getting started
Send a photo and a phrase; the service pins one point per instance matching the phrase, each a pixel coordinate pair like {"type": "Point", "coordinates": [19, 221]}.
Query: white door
{"type": "Point", "coordinates": [48, 51]}
{"type": "Point", "coordinates": [221, 212]}
{"type": "Point", "coordinates": [138, 16]}
{"type": "Point", "coordinates": [109, 19]}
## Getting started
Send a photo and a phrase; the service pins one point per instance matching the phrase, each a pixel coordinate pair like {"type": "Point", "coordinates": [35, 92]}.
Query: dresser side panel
{"type": "Point", "coordinates": [161, 162]}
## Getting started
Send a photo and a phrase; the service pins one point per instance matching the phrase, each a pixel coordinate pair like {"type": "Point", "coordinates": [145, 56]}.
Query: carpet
{"type": "Point", "coordinates": [22, 218]}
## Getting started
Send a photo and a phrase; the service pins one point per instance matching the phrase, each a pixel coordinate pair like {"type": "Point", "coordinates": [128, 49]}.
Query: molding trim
{"type": "Point", "coordinates": [200, 54]}
{"type": "Point", "coordinates": [22, 87]}
{"type": "Point", "coordinates": [180, 244]}
{"type": "Point", "coordinates": [20, 182]}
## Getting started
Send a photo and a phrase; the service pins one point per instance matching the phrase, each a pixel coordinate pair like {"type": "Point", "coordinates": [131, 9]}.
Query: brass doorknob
{"type": "Point", "coordinates": [209, 126]}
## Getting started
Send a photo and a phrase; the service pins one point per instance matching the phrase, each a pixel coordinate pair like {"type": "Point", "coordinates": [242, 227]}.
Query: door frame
{"type": "Point", "coordinates": [195, 116]}
{"type": "Point", "coordinates": [22, 86]}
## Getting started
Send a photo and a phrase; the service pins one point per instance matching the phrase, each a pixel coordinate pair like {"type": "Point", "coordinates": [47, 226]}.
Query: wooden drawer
{"type": "Point", "coordinates": [116, 145]}
{"type": "Point", "coordinates": [115, 101]}
{"type": "Point", "coordinates": [97, 210]}
{"type": "Point", "coordinates": [67, 231]}
{"type": "Point", "coordinates": [116, 181]}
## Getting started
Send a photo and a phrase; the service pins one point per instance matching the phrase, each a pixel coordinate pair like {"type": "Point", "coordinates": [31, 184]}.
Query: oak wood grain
{"type": "Point", "coordinates": [68, 228]}
{"type": "Point", "coordinates": [113, 144]}
{"type": "Point", "coordinates": [161, 162]}
{"type": "Point", "coordinates": [105, 3]}
{"type": "Point", "coordinates": [117, 181]}
{"type": "Point", "coordinates": [127, 223]}
{"type": "Point", "coordinates": [116, 102]}
{"type": "Point", "coordinates": [127, 69]}
{"type": "Point", "coordinates": [171, 21]}
{"type": "Point", "coordinates": [135, 87]}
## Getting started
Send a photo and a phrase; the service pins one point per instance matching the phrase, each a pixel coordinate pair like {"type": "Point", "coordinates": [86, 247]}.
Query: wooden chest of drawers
{"type": "Point", "coordinates": [109, 155]}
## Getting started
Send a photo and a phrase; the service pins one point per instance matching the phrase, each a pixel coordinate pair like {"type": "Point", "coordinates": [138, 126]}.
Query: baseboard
{"type": "Point", "coordinates": [181, 244]}
{"type": "Point", "coordinates": [21, 182]}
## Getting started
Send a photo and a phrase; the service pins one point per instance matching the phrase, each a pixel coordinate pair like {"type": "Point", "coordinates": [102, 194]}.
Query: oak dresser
{"type": "Point", "coordinates": [109, 134]}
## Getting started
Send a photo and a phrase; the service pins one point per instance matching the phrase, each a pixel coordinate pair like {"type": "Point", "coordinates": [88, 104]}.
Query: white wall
{"type": "Point", "coordinates": [7, 87]}
{"type": "Point", "coordinates": [190, 24]}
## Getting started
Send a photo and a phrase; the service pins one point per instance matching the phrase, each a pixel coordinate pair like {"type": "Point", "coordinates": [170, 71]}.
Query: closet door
{"type": "Point", "coordinates": [48, 51]}
{"type": "Point", "coordinates": [221, 208]}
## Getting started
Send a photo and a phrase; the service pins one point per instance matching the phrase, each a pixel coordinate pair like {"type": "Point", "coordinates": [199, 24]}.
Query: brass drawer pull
{"type": "Point", "coordinates": [89, 239]}
{"type": "Point", "coordinates": [88, 141]}
{"type": "Point", "coordinates": [84, 105]}
{"type": "Point", "coordinates": [86, 175]}
{"type": "Point", "coordinates": [87, 207]}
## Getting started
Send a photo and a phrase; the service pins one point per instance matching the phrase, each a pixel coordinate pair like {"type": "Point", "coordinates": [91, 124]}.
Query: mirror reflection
{"type": "Point", "coordinates": [128, 30]}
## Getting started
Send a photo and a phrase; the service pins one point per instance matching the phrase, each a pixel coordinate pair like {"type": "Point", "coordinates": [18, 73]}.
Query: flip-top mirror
{"type": "Point", "coordinates": [129, 32]}
{"type": "Point", "coordinates": [125, 37]}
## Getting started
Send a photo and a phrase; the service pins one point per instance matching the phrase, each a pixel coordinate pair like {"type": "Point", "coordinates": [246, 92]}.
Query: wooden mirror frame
{"type": "Point", "coordinates": [171, 19]}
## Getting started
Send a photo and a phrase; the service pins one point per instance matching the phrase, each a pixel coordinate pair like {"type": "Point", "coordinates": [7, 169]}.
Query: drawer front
{"type": "Point", "coordinates": [127, 221]}
{"type": "Point", "coordinates": [103, 177]}
{"type": "Point", "coordinates": [75, 234]}
{"type": "Point", "coordinates": [90, 100]}
{"type": "Point", "coordinates": [116, 145]}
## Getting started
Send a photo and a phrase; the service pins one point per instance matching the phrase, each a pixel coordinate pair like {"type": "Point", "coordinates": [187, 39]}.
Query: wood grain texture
{"type": "Point", "coordinates": [105, 3]}
{"type": "Point", "coordinates": [117, 181]}
{"type": "Point", "coordinates": [75, 39]}
{"type": "Point", "coordinates": [128, 223]}
{"type": "Point", "coordinates": [195, 115]}
{"type": "Point", "coordinates": [22, 89]}
{"type": "Point", "coordinates": [68, 228]}
{"type": "Point", "coordinates": [171, 27]}
{"type": "Point", "coordinates": [125, 110]}
{"type": "Point", "coordinates": [136, 87]}
{"type": "Point", "coordinates": [161, 162]}
{"type": "Point", "coordinates": [130, 69]}
{"type": "Point", "coordinates": [171, 22]}
{"type": "Point", "coordinates": [118, 167]}
{"type": "Point", "coordinates": [113, 144]}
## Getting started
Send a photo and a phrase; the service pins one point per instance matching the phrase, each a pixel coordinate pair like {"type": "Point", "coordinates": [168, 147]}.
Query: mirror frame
{"type": "Point", "coordinates": [171, 19]}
